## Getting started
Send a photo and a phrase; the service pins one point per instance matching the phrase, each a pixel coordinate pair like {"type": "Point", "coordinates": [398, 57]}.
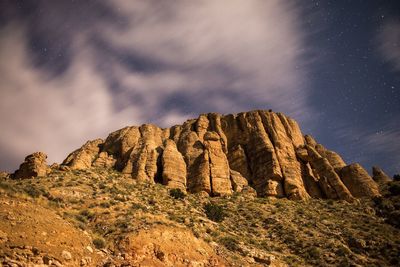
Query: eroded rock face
{"type": "Point", "coordinates": [219, 154]}
{"type": "Point", "coordinates": [83, 157]}
{"type": "Point", "coordinates": [34, 165]}
{"type": "Point", "coordinates": [358, 181]}
{"type": "Point", "coordinates": [328, 180]}
{"type": "Point", "coordinates": [173, 167]}
{"type": "Point", "coordinates": [379, 176]}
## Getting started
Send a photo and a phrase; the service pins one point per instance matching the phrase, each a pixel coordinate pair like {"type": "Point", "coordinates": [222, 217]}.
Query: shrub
{"type": "Point", "coordinates": [394, 188]}
{"type": "Point", "coordinates": [33, 191]}
{"type": "Point", "coordinates": [230, 243]}
{"type": "Point", "coordinates": [99, 243]}
{"type": "Point", "coordinates": [396, 177]}
{"type": "Point", "coordinates": [214, 212]}
{"type": "Point", "coordinates": [177, 193]}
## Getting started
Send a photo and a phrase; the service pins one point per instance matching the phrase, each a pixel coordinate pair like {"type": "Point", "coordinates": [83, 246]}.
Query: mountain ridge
{"type": "Point", "coordinates": [220, 154]}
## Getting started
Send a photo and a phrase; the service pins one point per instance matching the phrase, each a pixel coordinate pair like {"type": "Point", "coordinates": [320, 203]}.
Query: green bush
{"type": "Point", "coordinates": [33, 191]}
{"type": "Point", "coordinates": [99, 243]}
{"type": "Point", "coordinates": [214, 212]}
{"type": "Point", "coordinates": [230, 243]}
{"type": "Point", "coordinates": [177, 193]}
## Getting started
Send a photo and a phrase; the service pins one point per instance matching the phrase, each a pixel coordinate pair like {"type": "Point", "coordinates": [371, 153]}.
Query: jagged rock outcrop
{"type": "Point", "coordinates": [220, 154]}
{"type": "Point", "coordinates": [379, 176]}
{"type": "Point", "coordinates": [358, 181]}
{"type": "Point", "coordinates": [83, 157]}
{"type": "Point", "coordinates": [329, 181]}
{"type": "Point", "coordinates": [34, 165]}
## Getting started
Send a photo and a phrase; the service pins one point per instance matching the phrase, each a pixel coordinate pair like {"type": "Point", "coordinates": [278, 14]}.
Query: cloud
{"type": "Point", "coordinates": [250, 48]}
{"type": "Point", "coordinates": [54, 115]}
{"type": "Point", "coordinates": [144, 61]}
{"type": "Point", "coordinates": [389, 43]}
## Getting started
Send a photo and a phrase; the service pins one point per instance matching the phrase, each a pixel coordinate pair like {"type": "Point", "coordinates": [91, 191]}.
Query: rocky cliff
{"type": "Point", "coordinates": [220, 154]}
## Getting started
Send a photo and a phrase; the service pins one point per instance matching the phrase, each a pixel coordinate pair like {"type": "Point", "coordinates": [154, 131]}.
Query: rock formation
{"type": "Point", "coordinates": [34, 165]}
{"type": "Point", "coordinates": [358, 181]}
{"type": "Point", "coordinates": [379, 175]}
{"type": "Point", "coordinates": [220, 154]}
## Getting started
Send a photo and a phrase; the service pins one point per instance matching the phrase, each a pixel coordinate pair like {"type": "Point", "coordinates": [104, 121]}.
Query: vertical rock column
{"type": "Point", "coordinates": [219, 166]}
{"type": "Point", "coordinates": [266, 172]}
{"type": "Point", "coordinates": [286, 154]}
{"type": "Point", "coordinates": [196, 159]}
{"type": "Point", "coordinates": [173, 167]}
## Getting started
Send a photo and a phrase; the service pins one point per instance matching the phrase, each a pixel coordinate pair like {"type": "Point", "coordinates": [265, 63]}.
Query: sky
{"type": "Point", "coordinates": [71, 71]}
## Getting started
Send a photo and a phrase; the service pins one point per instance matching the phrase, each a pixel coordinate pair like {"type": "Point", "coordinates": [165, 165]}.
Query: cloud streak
{"type": "Point", "coordinates": [389, 43]}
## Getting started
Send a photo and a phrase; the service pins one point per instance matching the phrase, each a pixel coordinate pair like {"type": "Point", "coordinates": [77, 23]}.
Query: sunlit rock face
{"type": "Point", "coordinates": [221, 154]}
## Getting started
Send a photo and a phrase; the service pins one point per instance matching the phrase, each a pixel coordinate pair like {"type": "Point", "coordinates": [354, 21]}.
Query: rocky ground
{"type": "Point", "coordinates": [98, 217]}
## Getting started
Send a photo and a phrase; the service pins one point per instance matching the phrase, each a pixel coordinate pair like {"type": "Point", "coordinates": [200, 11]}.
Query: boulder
{"type": "Point", "coordinates": [238, 181]}
{"type": "Point", "coordinates": [35, 165]}
{"type": "Point", "coordinates": [358, 181]}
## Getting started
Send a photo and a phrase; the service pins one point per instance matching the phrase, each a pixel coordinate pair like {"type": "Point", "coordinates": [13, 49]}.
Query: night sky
{"type": "Point", "coordinates": [71, 71]}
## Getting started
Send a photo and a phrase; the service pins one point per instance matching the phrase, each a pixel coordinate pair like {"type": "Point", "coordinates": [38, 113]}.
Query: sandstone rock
{"type": "Point", "coordinates": [358, 181]}
{"type": "Point", "coordinates": [216, 154]}
{"type": "Point", "coordinates": [173, 167]}
{"type": "Point", "coordinates": [55, 166]}
{"type": "Point", "coordinates": [285, 151]}
{"type": "Point", "coordinates": [334, 159]}
{"type": "Point", "coordinates": [215, 120]}
{"type": "Point", "coordinates": [292, 129]}
{"type": "Point", "coordinates": [83, 157]}
{"type": "Point", "coordinates": [219, 166]}
{"type": "Point", "coordinates": [120, 142]}
{"type": "Point", "coordinates": [66, 255]}
{"type": "Point", "coordinates": [237, 181]}
{"type": "Point", "coordinates": [329, 181]}
{"type": "Point", "coordinates": [263, 161]}
{"type": "Point", "coordinates": [238, 161]}
{"type": "Point", "coordinates": [310, 140]}
{"type": "Point", "coordinates": [311, 181]}
{"type": "Point", "coordinates": [379, 176]}
{"type": "Point", "coordinates": [34, 165]}
{"type": "Point", "coordinates": [104, 160]}
{"type": "Point", "coordinates": [143, 163]}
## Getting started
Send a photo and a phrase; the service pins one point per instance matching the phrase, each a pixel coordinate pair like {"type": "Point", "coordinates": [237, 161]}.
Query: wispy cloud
{"type": "Point", "coordinates": [389, 42]}
{"type": "Point", "coordinates": [371, 148]}
{"type": "Point", "coordinates": [145, 61]}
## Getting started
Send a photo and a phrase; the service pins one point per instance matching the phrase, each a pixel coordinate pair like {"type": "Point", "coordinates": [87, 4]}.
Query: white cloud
{"type": "Point", "coordinates": [248, 47]}
{"type": "Point", "coordinates": [225, 56]}
{"type": "Point", "coordinates": [51, 115]}
{"type": "Point", "coordinates": [389, 43]}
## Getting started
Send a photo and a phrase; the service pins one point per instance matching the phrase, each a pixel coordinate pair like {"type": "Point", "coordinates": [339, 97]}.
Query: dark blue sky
{"type": "Point", "coordinates": [77, 70]}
